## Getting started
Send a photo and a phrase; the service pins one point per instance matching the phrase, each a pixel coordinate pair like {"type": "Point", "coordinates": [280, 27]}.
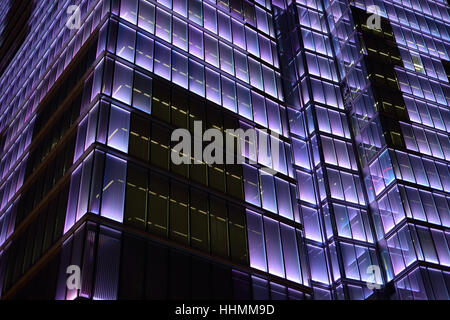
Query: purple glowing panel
{"type": "Point", "coordinates": [128, 10]}
{"type": "Point", "coordinates": [290, 253]}
{"type": "Point", "coordinates": [251, 185]}
{"type": "Point", "coordinates": [180, 69]}
{"type": "Point", "coordinates": [257, 250]}
{"type": "Point", "coordinates": [213, 90]}
{"type": "Point", "coordinates": [180, 36]}
{"type": "Point", "coordinates": [73, 199]}
{"type": "Point", "coordinates": [119, 128]}
{"type": "Point", "coordinates": [197, 78]}
{"type": "Point", "coordinates": [284, 198]}
{"type": "Point", "coordinates": [319, 270]}
{"type": "Point", "coordinates": [273, 245]}
{"type": "Point", "coordinates": [269, 201]}
{"type": "Point", "coordinates": [306, 192]}
{"type": "Point", "coordinates": [123, 80]}
{"type": "Point", "coordinates": [311, 224]}
{"type": "Point", "coordinates": [162, 61]}
{"type": "Point", "coordinates": [229, 94]}
{"type": "Point", "coordinates": [259, 109]}
{"type": "Point", "coordinates": [126, 43]}
{"type": "Point", "coordinates": [196, 42]}
{"type": "Point", "coordinates": [86, 175]}
{"type": "Point", "coordinates": [108, 261]}
{"type": "Point", "coordinates": [244, 102]}
{"type": "Point", "coordinates": [147, 16]}
{"type": "Point", "coordinates": [144, 52]}
{"type": "Point", "coordinates": [114, 188]}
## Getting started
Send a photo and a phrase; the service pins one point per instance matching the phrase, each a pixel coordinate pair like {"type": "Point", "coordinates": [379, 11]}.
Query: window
{"type": "Point", "coordinates": [163, 25]}
{"type": "Point", "coordinates": [257, 250]}
{"type": "Point", "coordinates": [251, 185]}
{"type": "Point", "coordinates": [226, 58]}
{"type": "Point", "coordinates": [180, 35]}
{"type": "Point", "coordinates": [146, 16]}
{"type": "Point", "coordinates": [123, 80]}
{"type": "Point", "coordinates": [136, 197]}
{"type": "Point", "coordinates": [180, 69]}
{"type": "Point", "coordinates": [114, 188]}
{"type": "Point", "coordinates": [142, 92]}
{"type": "Point", "coordinates": [213, 90]}
{"type": "Point", "coordinates": [196, 42]}
{"type": "Point", "coordinates": [268, 192]}
{"type": "Point", "coordinates": [211, 51]}
{"type": "Point", "coordinates": [179, 219]}
{"type": "Point", "coordinates": [119, 126]}
{"type": "Point", "coordinates": [195, 11]}
{"type": "Point", "coordinates": [128, 10]}
{"type": "Point", "coordinates": [224, 26]}
{"type": "Point", "coordinates": [126, 38]}
{"type": "Point", "coordinates": [273, 246]}
{"type": "Point", "coordinates": [162, 61]}
{"type": "Point", "coordinates": [144, 52]}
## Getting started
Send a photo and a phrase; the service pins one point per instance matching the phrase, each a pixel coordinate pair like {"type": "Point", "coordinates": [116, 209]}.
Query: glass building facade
{"type": "Point", "coordinates": [358, 207]}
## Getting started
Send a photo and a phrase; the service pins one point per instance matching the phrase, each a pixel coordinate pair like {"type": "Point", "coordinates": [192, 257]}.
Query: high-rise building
{"type": "Point", "coordinates": [344, 195]}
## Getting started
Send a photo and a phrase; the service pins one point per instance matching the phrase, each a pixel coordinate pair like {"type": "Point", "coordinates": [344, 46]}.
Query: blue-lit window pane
{"type": "Point", "coordinates": [180, 34]}
{"type": "Point", "coordinates": [180, 69]}
{"type": "Point", "coordinates": [163, 25]}
{"type": "Point", "coordinates": [335, 184]}
{"type": "Point", "coordinates": [142, 92]}
{"type": "Point", "coordinates": [126, 43]}
{"type": "Point", "coordinates": [226, 58]}
{"type": "Point", "coordinates": [305, 186]}
{"type": "Point", "coordinates": [213, 91]}
{"type": "Point", "coordinates": [259, 109]}
{"type": "Point", "coordinates": [283, 198]}
{"type": "Point", "coordinates": [195, 11]}
{"type": "Point", "coordinates": [252, 41]}
{"type": "Point", "coordinates": [241, 66]}
{"type": "Point", "coordinates": [349, 261]}
{"type": "Point", "coordinates": [180, 6]}
{"type": "Point", "coordinates": [270, 86]}
{"type": "Point", "coordinates": [269, 201]}
{"type": "Point", "coordinates": [210, 18]}
{"type": "Point", "coordinates": [255, 74]}
{"type": "Point", "coordinates": [128, 10]}
{"type": "Point", "coordinates": [196, 42]}
{"type": "Point", "coordinates": [291, 256]}
{"type": "Point", "coordinates": [224, 23]}
{"type": "Point", "coordinates": [244, 102]}
{"type": "Point", "coordinates": [415, 204]}
{"type": "Point", "coordinates": [211, 51]}
{"type": "Point", "coordinates": [317, 261]}
{"type": "Point", "coordinates": [114, 188]}
{"type": "Point", "coordinates": [123, 79]}
{"type": "Point", "coordinates": [251, 185]}
{"type": "Point", "coordinates": [146, 16]}
{"type": "Point", "coordinates": [257, 250]}
{"type": "Point", "coordinates": [311, 224]}
{"type": "Point", "coordinates": [273, 246]}
{"type": "Point", "coordinates": [119, 128]}
{"type": "Point", "coordinates": [144, 52]}
{"type": "Point", "coordinates": [162, 61]}
{"type": "Point", "coordinates": [196, 78]}
{"type": "Point", "coordinates": [427, 245]}
{"type": "Point", "coordinates": [229, 94]}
